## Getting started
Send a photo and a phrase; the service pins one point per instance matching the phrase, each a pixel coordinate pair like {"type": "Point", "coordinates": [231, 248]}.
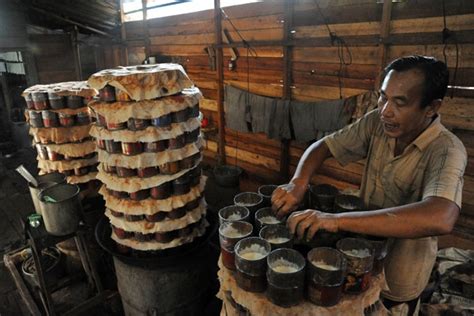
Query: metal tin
{"type": "Point", "coordinates": [29, 102]}
{"type": "Point", "coordinates": [140, 195]}
{"type": "Point", "coordinates": [116, 126]}
{"type": "Point", "coordinates": [54, 156]}
{"type": "Point", "coordinates": [81, 171]}
{"type": "Point", "coordinates": [42, 151]}
{"type": "Point", "coordinates": [115, 213]}
{"type": "Point", "coordinates": [162, 191]}
{"type": "Point", "coordinates": [56, 101]}
{"type": "Point", "coordinates": [169, 168]}
{"type": "Point", "coordinates": [121, 233]}
{"type": "Point", "coordinates": [359, 254]}
{"type": "Point", "coordinates": [118, 194]}
{"type": "Point", "coordinates": [185, 231]}
{"type": "Point", "coordinates": [326, 273]}
{"type": "Point", "coordinates": [131, 149]}
{"type": "Point", "coordinates": [176, 143]}
{"type": "Point", "coordinates": [36, 119]}
{"type": "Point", "coordinates": [192, 136]}
{"type": "Point", "coordinates": [40, 100]}
{"type": "Point", "coordinates": [121, 96]}
{"type": "Point", "coordinates": [100, 120]}
{"type": "Point", "coordinates": [123, 172]}
{"type": "Point", "coordinates": [179, 116]}
{"type": "Point", "coordinates": [162, 121]}
{"type": "Point", "coordinates": [194, 111]}
{"type": "Point", "coordinates": [135, 124]}
{"type": "Point", "coordinates": [266, 192]}
{"type": "Point", "coordinates": [187, 163]}
{"type": "Point", "coordinates": [157, 217]}
{"type": "Point", "coordinates": [322, 197]}
{"type": "Point", "coordinates": [278, 236]}
{"type": "Point", "coordinates": [195, 175]}
{"type": "Point", "coordinates": [50, 119]}
{"type": "Point", "coordinates": [107, 94]}
{"type": "Point", "coordinates": [68, 173]}
{"type": "Point", "coordinates": [144, 237]}
{"type": "Point", "coordinates": [133, 218]}
{"type": "Point", "coordinates": [154, 147]}
{"type": "Point", "coordinates": [109, 168]}
{"type": "Point", "coordinates": [190, 206]}
{"type": "Point", "coordinates": [74, 101]}
{"type": "Point", "coordinates": [113, 147]}
{"type": "Point", "coordinates": [65, 119]}
{"type": "Point", "coordinates": [165, 237]}
{"type": "Point", "coordinates": [348, 203]}
{"type": "Point", "coordinates": [100, 143]}
{"type": "Point", "coordinates": [250, 200]}
{"type": "Point", "coordinates": [82, 118]}
{"type": "Point", "coordinates": [147, 172]}
{"type": "Point", "coordinates": [229, 234]}
{"type": "Point", "coordinates": [264, 217]}
{"type": "Point", "coordinates": [177, 213]}
{"type": "Point", "coordinates": [285, 277]}
{"type": "Point", "coordinates": [181, 185]}
{"type": "Point", "coordinates": [251, 263]}
{"type": "Point", "coordinates": [233, 213]}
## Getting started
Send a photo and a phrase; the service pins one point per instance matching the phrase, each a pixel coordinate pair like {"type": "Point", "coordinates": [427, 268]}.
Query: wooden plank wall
{"type": "Point", "coordinates": [415, 27]}
{"type": "Point", "coordinates": [53, 57]}
{"type": "Point", "coordinates": [12, 26]}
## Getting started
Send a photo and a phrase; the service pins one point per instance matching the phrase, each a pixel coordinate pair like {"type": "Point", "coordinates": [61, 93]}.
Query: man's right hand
{"type": "Point", "coordinates": [286, 198]}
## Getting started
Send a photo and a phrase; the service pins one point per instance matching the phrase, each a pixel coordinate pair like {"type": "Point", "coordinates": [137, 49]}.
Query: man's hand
{"type": "Point", "coordinates": [286, 198]}
{"type": "Point", "coordinates": [310, 221]}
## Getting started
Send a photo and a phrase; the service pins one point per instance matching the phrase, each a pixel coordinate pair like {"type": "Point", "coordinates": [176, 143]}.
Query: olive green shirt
{"type": "Point", "coordinates": [432, 165]}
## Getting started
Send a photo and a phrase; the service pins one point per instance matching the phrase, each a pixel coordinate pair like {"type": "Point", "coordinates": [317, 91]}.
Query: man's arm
{"type": "Point", "coordinates": [286, 198]}
{"type": "Point", "coordinates": [430, 217]}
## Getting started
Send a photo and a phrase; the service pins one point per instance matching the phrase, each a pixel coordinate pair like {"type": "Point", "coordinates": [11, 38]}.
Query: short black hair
{"type": "Point", "coordinates": [435, 71]}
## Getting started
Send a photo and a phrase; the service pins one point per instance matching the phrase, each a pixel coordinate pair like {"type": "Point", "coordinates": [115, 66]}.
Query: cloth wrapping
{"type": "Point", "coordinates": [133, 184]}
{"type": "Point", "coordinates": [279, 120]}
{"type": "Point", "coordinates": [117, 112]}
{"type": "Point", "coordinates": [144, 159]}
{"type": "Point", "coordinates": [150, 134]}
{"type": "Point", "coordinates": [143, 82]}
{"type": "Point", "coordinates": [79, 88]}
{"type": "Point", "coordinates": [166, 225]}
{"type": "Point", "coordinates": [62, 165]}
{"type": "Point", "coordinates": [155, 245]}
{"type": "Point", "coordinates": [60, 135]}
{"type": "Point", "coordinates": [73, 149]}
{"type": "Point", "coordinates": [236, 108]}
{"type": "Point", "coordinates": [81, 179]}
{"type": "Point", "coordinates": [258, 304]}
{"type": "Point", "coordinates": [151, 206]}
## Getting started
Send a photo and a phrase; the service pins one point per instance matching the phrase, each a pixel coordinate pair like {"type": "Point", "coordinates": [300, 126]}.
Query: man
{"type": "Point", "coordinates": [412, 181]}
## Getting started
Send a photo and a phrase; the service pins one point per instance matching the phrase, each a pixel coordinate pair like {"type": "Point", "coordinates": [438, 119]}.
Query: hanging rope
{"type": "Point", "coordinates": [447, 34]}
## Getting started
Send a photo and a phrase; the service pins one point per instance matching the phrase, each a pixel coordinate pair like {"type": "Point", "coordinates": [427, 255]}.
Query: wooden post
{"type": "Point", "coordinates": [287, 80]}
{"type": "Point", "coordinates": [77, 53]}
{"type": "Point", "coordinates": [123, 35]}
{"type": "Point", "coordinates": [384, 34]}
{"type": "Point", "coordinates": [220, 81]}
{"type": "Point", "coordinates": [146, 34]}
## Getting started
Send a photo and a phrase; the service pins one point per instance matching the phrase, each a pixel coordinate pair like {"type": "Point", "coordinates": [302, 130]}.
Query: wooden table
{"type": "Point", "coordinates": [257, 304]}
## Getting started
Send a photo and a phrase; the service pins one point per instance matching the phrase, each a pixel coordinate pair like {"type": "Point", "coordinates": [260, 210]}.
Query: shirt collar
{"type": "Point", "coordinates": [429, 134]}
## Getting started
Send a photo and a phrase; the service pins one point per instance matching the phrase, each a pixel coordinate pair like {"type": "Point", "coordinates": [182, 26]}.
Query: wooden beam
{"type": "Point", "coordinates": [123, 35]}
{"type": "Point", "coordinates": [384, 34]}
{"type": "Point", "coordinates": [146, 34]}
{"type": "Point", "coordinates": [76, 53]}
{"type": "Point", "coordinates": [64, 19]}
{"type": "Point", "coordinates": [220, 80]}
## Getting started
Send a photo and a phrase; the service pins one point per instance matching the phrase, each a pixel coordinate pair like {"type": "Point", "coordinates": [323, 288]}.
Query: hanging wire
{"type": "Point", "coordinates": [342, 50]}
{"type": "Point", "coordinates": [246, 44]}
{"type": "Point", "coordinates": [447, 33]}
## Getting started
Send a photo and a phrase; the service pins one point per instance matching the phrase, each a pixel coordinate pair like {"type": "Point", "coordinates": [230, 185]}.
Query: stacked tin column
{"type": "Point", "coordinates": [59, 123]}
{"type": "Point", "coordinates": [147, 136]}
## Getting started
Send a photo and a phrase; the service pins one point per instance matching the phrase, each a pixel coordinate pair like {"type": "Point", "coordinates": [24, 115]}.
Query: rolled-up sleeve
{"type": "Point", "coordinates": [352, 142]}
{"type": "Point", "coordinates": [444, 174]}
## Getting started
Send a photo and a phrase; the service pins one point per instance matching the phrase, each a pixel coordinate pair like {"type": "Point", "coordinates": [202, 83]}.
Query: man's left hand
{"type": "Point", "coordinates": [310, 221]}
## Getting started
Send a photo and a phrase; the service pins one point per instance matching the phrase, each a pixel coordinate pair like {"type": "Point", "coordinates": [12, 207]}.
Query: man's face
{"type": "Point", "coordinates": [400, 105]}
